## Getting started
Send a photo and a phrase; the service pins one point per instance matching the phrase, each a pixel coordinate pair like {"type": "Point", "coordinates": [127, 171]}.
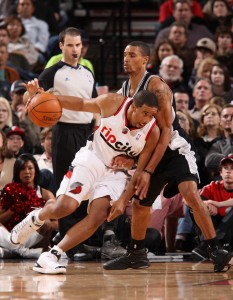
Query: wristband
{"type": "Point", "coordinates": [148, 172]}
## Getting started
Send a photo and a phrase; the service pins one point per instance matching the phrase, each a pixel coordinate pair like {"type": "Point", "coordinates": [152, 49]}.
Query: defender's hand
{"type": "Point", "coordinates": [142, 183]}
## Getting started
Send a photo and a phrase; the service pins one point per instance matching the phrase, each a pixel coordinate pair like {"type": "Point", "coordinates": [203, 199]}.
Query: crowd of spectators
{"type": "Point", "coordinates": [193, 53]}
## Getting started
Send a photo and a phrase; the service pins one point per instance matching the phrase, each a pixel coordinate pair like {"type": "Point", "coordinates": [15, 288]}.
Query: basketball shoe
{"type": "Point", "coordinates": [222, 259]}
{"type": "Point", "coordinates": [112, 249]}
{"type": "Point", "coordinates": [48, 262]}
{"type": "Point", "coordinates": [22, 230]}
{"type": "Point", "coordinates": [133, 259]}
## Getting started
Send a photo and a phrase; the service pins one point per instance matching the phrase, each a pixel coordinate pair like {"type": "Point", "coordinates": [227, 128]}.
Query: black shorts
{"type": "Point", "coordinates": [176, 166]}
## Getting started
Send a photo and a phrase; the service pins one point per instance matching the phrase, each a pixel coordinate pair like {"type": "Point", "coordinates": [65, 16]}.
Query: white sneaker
{"type": "Point", "coordinates": [48, 263]}
{"type": "Point", "coordinates": [21, 231]}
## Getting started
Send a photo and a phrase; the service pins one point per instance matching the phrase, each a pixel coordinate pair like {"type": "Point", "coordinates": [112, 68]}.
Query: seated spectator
{"type": "Point", "coordinates": [22, 120]}
{"type": "Point", "coordinates": [7, 161]}
{"type": "Point", "coordinates": [182, 13]}
{"type": "Point", "coordinates": [178, 35]}
{"type": "Point", "coordinates": [224, 53]}
{"type": "Point", "coordinates": [19, 43]}
{"type": "Point", "coordinates": [208, 132]}
{"type": "Point", "coordinates": [15, 60]}
{"type": "Point", "coordinates": [182, 98]}
{"type": "Point", "coordinates": [220, 79]}
{"type": "Point", "coordinates": [44, 160]}
{"type": "Point", "coordinates": [218, 199]}
{"type": "Point", "coordinates": [205, 48]}
{"type": "Point", "coordinates": [15, 140]}
{"type": "Point", "coordinates": [35, 29]}
{"type": "Point", "coordinates": [6, 73]}
{"type": "Point", "coordinates": [5, 115]}
{"type": "Point", "coordinates": [220, 14]}
{"type": "Point", "coordinates": [205, 67]}
{"type": "Point", "coordinates": [166, 9]}
{"type": "Point", "coordinates": [202, 93]}
{"type": "Point", "coordinates": [17, 200]}
{"type": "Point", "coordinates": [164, 49]}
{"type": "Point", "coordinates": [171, 69]}
{"type": "Point", "coordinates": [223, 146]}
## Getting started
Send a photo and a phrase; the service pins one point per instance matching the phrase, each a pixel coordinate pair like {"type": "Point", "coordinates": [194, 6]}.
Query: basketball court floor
{"type": "Point", "coordinates": [168, 278]}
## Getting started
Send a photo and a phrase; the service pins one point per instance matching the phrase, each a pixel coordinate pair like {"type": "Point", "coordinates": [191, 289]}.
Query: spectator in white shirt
{"type": "Point", "coordinates": [37, 30]}
{"type": "Point", "coordinates": [44, 160]}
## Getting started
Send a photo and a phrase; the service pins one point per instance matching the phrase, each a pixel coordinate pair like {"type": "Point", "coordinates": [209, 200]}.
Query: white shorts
{"type": "Point", "coordinates": [91, 177]}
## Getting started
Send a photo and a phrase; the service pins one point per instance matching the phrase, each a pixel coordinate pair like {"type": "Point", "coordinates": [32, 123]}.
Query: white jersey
{"type": "Point", "coordinates": [113, 137]}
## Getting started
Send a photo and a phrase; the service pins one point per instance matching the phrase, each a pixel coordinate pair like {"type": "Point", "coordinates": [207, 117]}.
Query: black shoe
{"type": "Point", "coordinates": [133, 259]}
{"type": "Point", "coordinates": [201, 252]}
{"type": "Point", "coordinates": [221, 259]}
{"type": "Point", "coordinates": [85, 253]}
{"type": "Point", "coordinates": [112, 249]}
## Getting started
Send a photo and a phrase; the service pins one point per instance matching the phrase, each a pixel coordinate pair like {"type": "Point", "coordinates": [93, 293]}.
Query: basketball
{"type": "Point", "coordinates": [44, 110]}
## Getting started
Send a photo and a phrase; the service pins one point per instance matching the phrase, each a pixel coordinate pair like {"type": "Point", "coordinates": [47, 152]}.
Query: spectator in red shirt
{"type": "Point", "coordinates": [166, 9]}
{"type": "Point", "coordinates": [218, 197]}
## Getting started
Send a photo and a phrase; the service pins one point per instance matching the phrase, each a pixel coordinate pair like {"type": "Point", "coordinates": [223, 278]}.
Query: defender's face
{"type": "Point", "coordinates": [134, 60]}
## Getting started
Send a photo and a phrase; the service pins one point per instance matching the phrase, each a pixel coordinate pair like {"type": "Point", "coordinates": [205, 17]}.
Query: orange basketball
{"type": "Point", "coordinates": [44, 109]}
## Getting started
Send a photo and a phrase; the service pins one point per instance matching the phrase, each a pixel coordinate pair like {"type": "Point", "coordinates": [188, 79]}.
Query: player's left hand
{"type": "Point", "coordinates": [122, 162]}
{"type": "Point", "coordinates": [117, 209]}
{"type": "Point", "coordinates": [142, 182]}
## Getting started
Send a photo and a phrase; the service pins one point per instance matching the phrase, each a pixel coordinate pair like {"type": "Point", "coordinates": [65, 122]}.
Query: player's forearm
{"type": "Point", "coordinates": [159, 150]}
{"type": "Point", "coordinates": [70, 102]}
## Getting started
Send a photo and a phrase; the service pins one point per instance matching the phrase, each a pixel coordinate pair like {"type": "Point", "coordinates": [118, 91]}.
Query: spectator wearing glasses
{"type": "Point", "coordinates": [171, 69]}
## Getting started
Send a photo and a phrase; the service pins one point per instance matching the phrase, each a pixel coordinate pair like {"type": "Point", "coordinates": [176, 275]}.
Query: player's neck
{"type": "Point", "coordinates": [135, 80]}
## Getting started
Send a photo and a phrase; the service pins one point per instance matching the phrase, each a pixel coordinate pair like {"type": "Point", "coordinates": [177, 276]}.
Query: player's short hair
{"type": "Point", "coordinates": [144, 48]}
{"type": "Point", "coordinates": [73, 31]}
{"type": "Point", "coordinates": [145, 97]}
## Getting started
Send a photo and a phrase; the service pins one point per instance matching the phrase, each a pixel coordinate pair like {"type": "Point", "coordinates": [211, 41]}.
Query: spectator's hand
{"type": "Point", "coordinates": [122, 162]}
{"type": "Point", "coordinates": [213, 210]}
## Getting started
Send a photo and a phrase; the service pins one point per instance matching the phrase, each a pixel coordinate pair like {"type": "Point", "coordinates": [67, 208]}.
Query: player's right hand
{"type": "Point", "coordinates": [117, 209]}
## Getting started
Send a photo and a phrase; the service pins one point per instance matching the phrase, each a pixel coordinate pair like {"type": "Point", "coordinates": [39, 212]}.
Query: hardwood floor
{"type": "Point", "coordinates": [88, 280]}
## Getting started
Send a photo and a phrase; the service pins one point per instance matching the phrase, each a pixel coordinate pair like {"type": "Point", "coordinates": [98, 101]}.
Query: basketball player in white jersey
{"type": "Point", "coordinates": [128, 127]}
{"type": "Point", "coordinates": [173, 165]}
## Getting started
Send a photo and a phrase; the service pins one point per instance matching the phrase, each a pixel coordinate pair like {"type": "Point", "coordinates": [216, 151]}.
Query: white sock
{"type": "Point", "coordinates": [38, 221]}
{"type": "Point", "coordinates": [56, 248]}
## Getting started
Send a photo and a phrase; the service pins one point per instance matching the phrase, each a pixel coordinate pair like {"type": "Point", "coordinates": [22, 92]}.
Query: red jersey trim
{"type": "Point", "coordinates": [120, 107]}
{"type": "Point", "coordinates": [148, 133]}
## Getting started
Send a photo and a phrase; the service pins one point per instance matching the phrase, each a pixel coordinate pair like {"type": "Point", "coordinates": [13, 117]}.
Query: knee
{"type": "Point", "coordinates": [139, 209]}
{"type": "Point", "coordinates": [64, 206]}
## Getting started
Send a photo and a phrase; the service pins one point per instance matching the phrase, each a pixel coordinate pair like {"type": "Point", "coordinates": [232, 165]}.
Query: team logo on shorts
{"type": "Point", "coordinates": [76, 188]}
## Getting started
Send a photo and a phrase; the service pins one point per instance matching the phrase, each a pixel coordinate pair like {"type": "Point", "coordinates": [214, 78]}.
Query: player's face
{"type": "Point", "coordinates": [134, 60]}
{"type": "Point", "coordinates": [142, 115]}
{"type": "Point", "coordinates": [71, 49]}
{"type": "Point", "coordinates": [227, 172]}
{"type": "Point", "coordinates": [27, 174]}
